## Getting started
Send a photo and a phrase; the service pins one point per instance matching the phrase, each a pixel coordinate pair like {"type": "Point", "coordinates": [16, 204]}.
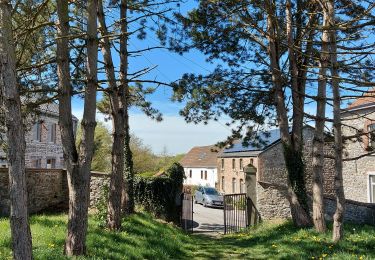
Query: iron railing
{"type": "Point", "coordinates": [239, 213]}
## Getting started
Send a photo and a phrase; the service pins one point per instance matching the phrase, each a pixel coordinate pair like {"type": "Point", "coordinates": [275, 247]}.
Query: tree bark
{"type": "Point", "coordinates": [78, 164]}
{"type": "Point", "coordinates": [338, 217]}
{"type": "Point", "coordinates": [127, 192]}
{"type": "Point", "coordinates": [292, 144]}
{"type": "Point", "coordinates": [11, 104]}
{"type": "Point", "coordinates": [318, 141]}
{"type": "Point", "coordinates": [116, 107]}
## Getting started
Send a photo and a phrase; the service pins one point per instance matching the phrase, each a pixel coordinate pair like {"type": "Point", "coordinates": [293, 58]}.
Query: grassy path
{"type": "Point", "coordinates": [146, 238]}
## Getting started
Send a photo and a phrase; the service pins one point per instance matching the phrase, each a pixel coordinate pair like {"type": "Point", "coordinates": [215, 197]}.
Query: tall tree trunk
{"type": "Point", "coordinates": [78, 165]}
{"type": "Point", "coordinates": [117, 108]}
{"type": "Point", "coordinates": [128, 193]}
{"type": "Point", "coordinates": [11, 104]}
{"type": "Point", "coordinates": [318, 141]}
{"type": "Point", "coordinates": [292, 144]}
{"type": "Point", "coordinates": [338, 217]}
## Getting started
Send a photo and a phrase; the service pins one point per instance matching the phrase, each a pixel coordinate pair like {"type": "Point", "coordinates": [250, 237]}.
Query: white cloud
{"type": "Point", "coordinates": [173, 132]}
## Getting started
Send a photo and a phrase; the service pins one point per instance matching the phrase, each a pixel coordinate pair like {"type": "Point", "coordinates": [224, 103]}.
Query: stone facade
{"type": "Point", "coordinates": [48, 188]}
{"type": "Point", "coordinates": [271, 187]}
{"type": "Point", "coordinates": [356, 173]}
{"type": "Point", "coordinates": [232, 179]}
{"type": "Point", "coordinates": [43, 140]}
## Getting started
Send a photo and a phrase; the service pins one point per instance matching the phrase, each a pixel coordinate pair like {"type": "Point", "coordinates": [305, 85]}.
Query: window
{"type": "Point", "coordinates": [205, 175]}
{"type": "Point", "coordinates": [252, 161]}
{"type": "Point", "coordinates": [241, 164]}
{"type": "Point", "coordinates": [242, 186]}
{"type": "Point", "coordinates": [202, 175]}
{"type": "Point", "coordinates": [372, 188]}
{"type": "Point", "coordinates": [37, 132]}
{"type": "Point", "coordinates": [51, 163]}
{"type": "Point", "coordinates": [191, 173]}
{"type": "Point", "coordinates": [371, 131]}
{"type": "Point", "coordinates": [234, 185]}
{"type": "Point", "coordinates": [222, 164]}
{"type": "Point", "coordinates": [37, 163]}
{"type": "Point", "coordinates": [52, 133]}
{"type": "Point", "coordinates": [222, 183]}
{"type": "Point", "coordinates": [233, 164]}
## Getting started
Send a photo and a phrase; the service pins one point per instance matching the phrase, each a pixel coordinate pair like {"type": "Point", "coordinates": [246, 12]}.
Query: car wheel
{"type": "Point", "coordinates": [204, 204]}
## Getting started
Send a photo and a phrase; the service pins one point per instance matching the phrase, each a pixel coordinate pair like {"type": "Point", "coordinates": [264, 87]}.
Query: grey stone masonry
{"type": "Point", "coordinates": [45, 188]}
{"type": "Point", "coordinates": [272, 201]}
{"type": "Point", "coordinates": [43, 140]}
{"type": "Point", "coordinates": [356, 173]}
{"type": "Point", "coordinates": [48, 188]}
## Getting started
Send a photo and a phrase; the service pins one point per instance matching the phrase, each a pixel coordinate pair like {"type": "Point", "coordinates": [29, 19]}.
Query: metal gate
{"type": "Point", "coordinates": [187, 212]}
{"type": "Point", "coordinates": [239, 213]}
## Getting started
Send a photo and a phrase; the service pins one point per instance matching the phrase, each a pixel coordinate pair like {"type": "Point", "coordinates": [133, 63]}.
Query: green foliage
{"type": "Point", "coordinates": [296, 174]}
{"type": "Point", "coordinates": [102, 148]}
{"type": "Point", "coordinates": [160, 195]}
{"type": "Point", "coordinates": [102, 207]}
{"type": "Point", "coordinates": [144, 237]}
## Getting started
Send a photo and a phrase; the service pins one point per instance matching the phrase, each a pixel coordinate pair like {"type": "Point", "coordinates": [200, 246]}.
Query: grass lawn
{"type": "Point", "coordinates": [145, 238]}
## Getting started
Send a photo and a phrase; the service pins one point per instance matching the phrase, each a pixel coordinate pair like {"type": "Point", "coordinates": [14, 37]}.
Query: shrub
{"type": "Point", "coordinates": [161, 195]}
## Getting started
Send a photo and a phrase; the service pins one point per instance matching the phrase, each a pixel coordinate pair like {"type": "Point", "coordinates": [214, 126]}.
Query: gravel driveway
{"type": "Point", "coordinates": [208, 221]}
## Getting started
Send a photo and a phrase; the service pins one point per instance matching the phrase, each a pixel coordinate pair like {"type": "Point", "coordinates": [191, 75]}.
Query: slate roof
{"type": "Point", "coordinates": [201, 157]}
{"type": "Point", "coordinates": [368, 99]}
{"type": "Point", "coordinates": [239, 150]}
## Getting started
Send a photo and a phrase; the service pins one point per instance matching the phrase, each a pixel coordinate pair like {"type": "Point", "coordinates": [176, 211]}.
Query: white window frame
{"type": "Point", "coordinates": [369, 186]}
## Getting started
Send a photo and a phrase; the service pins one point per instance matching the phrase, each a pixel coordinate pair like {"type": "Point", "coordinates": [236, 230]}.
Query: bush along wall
{"type": "Point", "coordinates": [161, 195]}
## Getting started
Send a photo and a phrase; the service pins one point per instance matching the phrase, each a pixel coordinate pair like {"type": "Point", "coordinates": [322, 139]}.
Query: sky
{"type": "Point", "coordinates": [173, 134]}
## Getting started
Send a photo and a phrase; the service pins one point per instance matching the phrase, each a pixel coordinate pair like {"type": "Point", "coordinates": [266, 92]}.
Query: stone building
{"type": "Point", "coordinates": [270, 196]}
{"type": "Point", "coordinates": [43, 140]}
{"type": "Point", "coordinates": [200, 166]}
{"type": "Point", "coordinates": [231, 162]}
{"type": "Point", "coordinates": [359, 172]}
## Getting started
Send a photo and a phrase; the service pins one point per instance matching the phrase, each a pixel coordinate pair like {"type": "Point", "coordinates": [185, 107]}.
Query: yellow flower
{"type": "Point", "coordinates": [361, 257]}
{"type": "Point", "coordinates": [324, 255]}
{"type": "Point", "coordinates": [274, 246]}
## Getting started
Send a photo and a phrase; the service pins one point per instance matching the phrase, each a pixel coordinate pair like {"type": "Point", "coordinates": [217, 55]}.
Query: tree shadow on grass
{"type": "Point", "coordinates": [141, 238]}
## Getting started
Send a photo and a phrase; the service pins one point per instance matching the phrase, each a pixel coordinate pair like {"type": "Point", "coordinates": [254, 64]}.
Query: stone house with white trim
{"type": "Point", "coordinates": [43, 140]}
{"type": "Point", "coordinates": [359, 172]}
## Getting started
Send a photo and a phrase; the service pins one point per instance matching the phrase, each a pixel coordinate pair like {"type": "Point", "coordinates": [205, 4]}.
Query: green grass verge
{"type": "Point", "coordinates": [146, 238]}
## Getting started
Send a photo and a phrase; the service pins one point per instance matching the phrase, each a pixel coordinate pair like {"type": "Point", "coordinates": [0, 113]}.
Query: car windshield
{"type": "Point", "coordinates": [211, 191]}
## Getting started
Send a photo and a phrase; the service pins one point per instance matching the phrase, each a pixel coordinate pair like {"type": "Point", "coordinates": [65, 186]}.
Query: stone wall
{"type": "Point", "coordinates": [356, 212]}
{"type": "Point", "coordinates": [98, 184]}
{"type": "Point", "coordinates": [48, 188]}
{"type": "Point", "coordinates": [356, 172]}
{"type": "Point", "coordinates": [272, 178]}
{"type": "Point", "coordinates": [45, 188]}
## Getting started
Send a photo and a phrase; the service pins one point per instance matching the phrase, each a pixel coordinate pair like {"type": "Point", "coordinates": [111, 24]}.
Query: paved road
{"type": "Point", "coordinates": [208, 221]}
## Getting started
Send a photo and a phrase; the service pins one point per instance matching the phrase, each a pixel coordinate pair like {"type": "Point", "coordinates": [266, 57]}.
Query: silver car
{"type": "Point", "coordinates": [208, 196]}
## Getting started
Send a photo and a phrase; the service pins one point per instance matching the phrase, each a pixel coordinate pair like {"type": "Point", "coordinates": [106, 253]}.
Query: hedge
{"type": "Point", "coordinates": [161, 195]}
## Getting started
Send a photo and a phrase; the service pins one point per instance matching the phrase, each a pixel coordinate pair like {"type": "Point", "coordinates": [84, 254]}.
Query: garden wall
{"type": "Point", "coordinates": [48, 188]}
{"type": "Point", "coordinates": [45, 187]}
